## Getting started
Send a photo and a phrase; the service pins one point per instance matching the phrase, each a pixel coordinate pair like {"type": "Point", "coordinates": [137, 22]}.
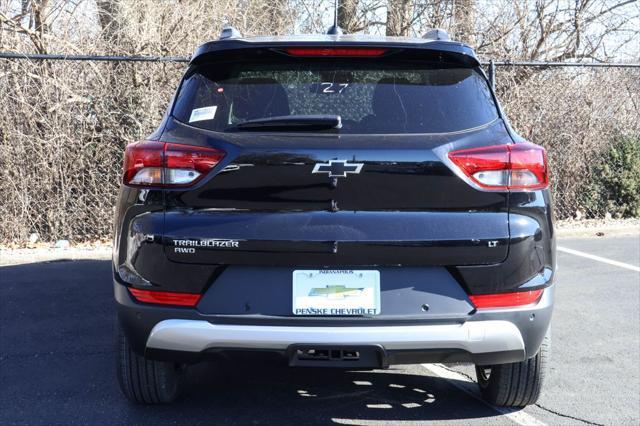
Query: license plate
{"type": "Point", "coordinates": [336, 292]}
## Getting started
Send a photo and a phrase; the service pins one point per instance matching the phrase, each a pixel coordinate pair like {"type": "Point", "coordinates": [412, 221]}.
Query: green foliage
{"type": "Point", "coordinates": [615, 181]}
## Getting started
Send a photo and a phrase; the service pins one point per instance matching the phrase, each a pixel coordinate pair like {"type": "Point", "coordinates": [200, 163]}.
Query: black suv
{"type": "Point", "coordinates": [345, 201]}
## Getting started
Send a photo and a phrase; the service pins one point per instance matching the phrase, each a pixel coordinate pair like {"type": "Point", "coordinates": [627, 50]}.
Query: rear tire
{"type": "Point", "coordinates": [514, 385]}
{"type": "Point", "coordinates": [145, 381]}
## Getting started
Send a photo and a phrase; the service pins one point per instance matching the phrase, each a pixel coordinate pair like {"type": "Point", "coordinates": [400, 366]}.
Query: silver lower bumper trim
{"type": "Point", "coordinates": [472, 336]}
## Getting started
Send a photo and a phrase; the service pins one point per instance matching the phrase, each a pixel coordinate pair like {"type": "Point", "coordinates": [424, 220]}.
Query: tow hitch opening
{"type": "Point", "coordinates": [321, 356]}
{"type": "Point", "coordinates": [327, 354]}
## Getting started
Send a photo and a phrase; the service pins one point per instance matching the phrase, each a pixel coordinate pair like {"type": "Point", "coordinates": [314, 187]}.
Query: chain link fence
{"type": "Point", "coordinates": [64, 125]}
{"type": "Point", "coordinates": [583, 117]}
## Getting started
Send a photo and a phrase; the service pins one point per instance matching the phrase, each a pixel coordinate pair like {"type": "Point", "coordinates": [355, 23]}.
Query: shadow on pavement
{"type": "Point", "coordinates": [57, 366]}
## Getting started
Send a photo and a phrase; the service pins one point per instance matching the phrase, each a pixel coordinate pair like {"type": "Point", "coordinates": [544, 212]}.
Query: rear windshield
{"type": "Point", "coordinates": [370, 98]}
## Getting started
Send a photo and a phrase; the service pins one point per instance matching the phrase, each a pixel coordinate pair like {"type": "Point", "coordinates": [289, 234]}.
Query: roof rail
{"type": "Point", "coordinates": [436, 34]}
{"type": "Point", "coordinates": [229, 32]}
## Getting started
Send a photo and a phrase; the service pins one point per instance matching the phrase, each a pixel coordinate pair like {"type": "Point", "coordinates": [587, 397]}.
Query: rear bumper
{"type": "Point", "coordinates": [476, 338]}
{"type": "Point", "coordinates": [482, 337]}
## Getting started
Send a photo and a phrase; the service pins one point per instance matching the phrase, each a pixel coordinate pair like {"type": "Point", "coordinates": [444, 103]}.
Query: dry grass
{"type": "Point", "coordinates": [575, 114]}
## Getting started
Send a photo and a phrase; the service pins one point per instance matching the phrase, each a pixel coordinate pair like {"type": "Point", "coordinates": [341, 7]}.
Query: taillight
{"type": "Point", "coordinates": [506, 300]}
{"type": "Point", "coordinates": [165, 297]}
{"type": "Point", "coordinates": [520, 166]}
{"type": "Point", "coordinates": [149, 163]}
{"type": "Point", "coordinates": [336, 51]}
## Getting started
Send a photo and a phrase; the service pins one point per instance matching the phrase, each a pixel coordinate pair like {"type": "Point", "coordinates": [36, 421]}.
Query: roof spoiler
{"type": "Point", "coordinates": [231, 45]}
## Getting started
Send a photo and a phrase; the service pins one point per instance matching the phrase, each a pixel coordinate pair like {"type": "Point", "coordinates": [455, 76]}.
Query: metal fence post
{"type": "Point", "coordinates": [492, 74]}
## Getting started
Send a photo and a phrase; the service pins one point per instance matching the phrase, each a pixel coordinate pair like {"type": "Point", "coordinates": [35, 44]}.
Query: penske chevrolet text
{"type": "Point", "coordinates": [344, 201]}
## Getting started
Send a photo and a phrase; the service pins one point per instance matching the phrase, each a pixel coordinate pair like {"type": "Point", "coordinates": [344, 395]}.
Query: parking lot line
{"type": "Point", "coordinates": [467, 386]}
{"type": "Point", "coordinates": [599, 259]}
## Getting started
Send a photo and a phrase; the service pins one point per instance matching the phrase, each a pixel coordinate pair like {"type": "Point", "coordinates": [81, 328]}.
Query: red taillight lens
{"type": "Point", "coordinates": [528, 167]}
{"type": "Point", "coordinates": [165, 297]}
{"type": "Point", "coordinates": [149, 163]}
{"type": "Point", "coordinates": [520, 166]}
{"type": "Point", "coordinates": [335, 51]}
{"type": "Point", "coordinates": [143, 155]}
{"type": "Point", "coordinates": [506, 300]}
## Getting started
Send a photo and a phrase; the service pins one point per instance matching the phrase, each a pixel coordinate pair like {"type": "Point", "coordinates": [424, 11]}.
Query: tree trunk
{"type": "Point", "coordinates": [464, 17]}
{"type": "Point", "coordinates": [399, 15]}
{"type": "Point", "coordinates": [348, 16]}
{"type": "Point", "coordinates": [40, 9]}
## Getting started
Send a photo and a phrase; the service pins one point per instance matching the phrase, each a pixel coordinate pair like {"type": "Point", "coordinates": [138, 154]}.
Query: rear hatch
{"type": "Point", "coordinates": [335, 162]}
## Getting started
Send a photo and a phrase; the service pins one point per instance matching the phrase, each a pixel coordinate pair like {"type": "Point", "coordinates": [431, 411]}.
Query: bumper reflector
{"type": "Point", "coordinates": [165, 297]}
{"type": "Point", "coordinates": [506, 300]}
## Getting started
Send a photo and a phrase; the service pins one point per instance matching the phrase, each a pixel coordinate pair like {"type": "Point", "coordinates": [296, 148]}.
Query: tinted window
{"type": "Point", "coordinates": [381, 98]}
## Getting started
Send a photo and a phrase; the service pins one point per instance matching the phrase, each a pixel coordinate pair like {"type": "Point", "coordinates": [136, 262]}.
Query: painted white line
{"type": "Point", "coordinates": [599, 259]}
{"type": "Point", "coordinates": [463, 383]}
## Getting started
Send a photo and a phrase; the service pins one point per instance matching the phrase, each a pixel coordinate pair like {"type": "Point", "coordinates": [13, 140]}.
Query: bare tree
{"type": "Point", "coordinates": [36, 11]}
{"type": "Point", "coordinates": [558, 30]}
{"type": "Point", "coordinates": [464, 20]}
{"type": "Point", "coordinates": [348, 18]}
{"type": "Point", "coordinates": [280, 17]}
{"type": "Point", "coordinates": [399, 17]}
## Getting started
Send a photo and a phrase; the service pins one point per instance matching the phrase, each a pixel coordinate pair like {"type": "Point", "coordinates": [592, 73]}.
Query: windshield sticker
{"type": "Point", "coordinates": [201, 114]}
{"type": "Point", "coordinates": [329, 88]}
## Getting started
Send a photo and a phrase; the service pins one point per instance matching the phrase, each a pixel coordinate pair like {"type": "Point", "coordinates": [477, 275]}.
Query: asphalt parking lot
{"type": "Point", "coordinates": [57, 363]}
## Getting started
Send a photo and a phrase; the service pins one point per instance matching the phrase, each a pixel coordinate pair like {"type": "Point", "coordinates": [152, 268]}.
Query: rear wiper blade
{"type": "Point", "coordinates": [291, 123]}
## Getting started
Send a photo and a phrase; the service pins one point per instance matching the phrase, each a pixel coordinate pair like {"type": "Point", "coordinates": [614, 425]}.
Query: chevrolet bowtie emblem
{"type": "Point", "coordinates": [335, 291]}
{"type": "Point", "coordinates": [337, 168]}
